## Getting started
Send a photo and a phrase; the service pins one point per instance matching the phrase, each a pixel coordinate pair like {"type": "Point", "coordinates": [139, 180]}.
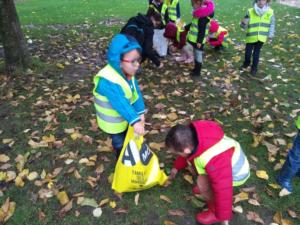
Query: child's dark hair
{"type": "Point", "coordinates": [180, 137]}
{"type": "Point", "coordinates": [156, 15]}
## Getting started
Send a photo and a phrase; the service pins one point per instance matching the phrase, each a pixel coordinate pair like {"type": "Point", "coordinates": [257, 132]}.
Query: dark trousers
{"type": "Point", "coordinates": [118, 141]}
{"type": "Point", "coordinates": [255, 48]}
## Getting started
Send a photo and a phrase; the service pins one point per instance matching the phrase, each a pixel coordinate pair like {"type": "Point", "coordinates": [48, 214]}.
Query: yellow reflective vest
{"type": "Point", "coordinates": [258, 26]}
{"type": "Point", "coordinates": [239, 162]}
{"type": "Point", "coordinates": [171, 7]}
{"type": "Point", "coordinates": [108, 119]}
{"type": "Point", "coordinates": [194, 30]}
{"type": "Point", "coordinates": [298, 122]}
{"type": "Point", "coordinates": [216, 35]}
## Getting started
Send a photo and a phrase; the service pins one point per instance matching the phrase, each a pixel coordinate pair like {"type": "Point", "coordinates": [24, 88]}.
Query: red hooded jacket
{"type": "Point", "coordinates": [218, 169]}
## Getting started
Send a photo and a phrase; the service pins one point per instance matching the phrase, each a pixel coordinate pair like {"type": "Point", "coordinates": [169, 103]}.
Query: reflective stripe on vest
{"type": "Point", "coordinates": [172, 10]}
{"type": "Point", "coordinates": [219, 31]}
{"type": "Point", "coordinates": [152, 6]}
{"type": "Point", "coordinates": [109, 120]}
{"type": "Point", "coordinates": [239, 162]}
{"type": "Point", "coordinates": [259, 26]}
{"type": "Point", "coordinates": [298, 122]}
{"type": "Point", "coordinates": [193, 32]}
{"type": "Point", "coordinates": [163, 12]}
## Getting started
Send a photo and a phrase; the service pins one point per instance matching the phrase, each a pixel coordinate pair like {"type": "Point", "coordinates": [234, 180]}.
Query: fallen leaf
{"type": "Point", "coordinates": [262, 174]}
{"type": "Point", "coordinates": [103, 202]}
{"type": "Point", "coordinates": [4, 158]}
{"type": "Point", "coordinates": [284, 192]}
{"type": "Point", "coordinates": [165, 198]}
{"type": "Point", "coordinates": [188, 178]}
{"type": "Point", "coordinates": [88, 202]}
{"type": "Point", "coordinates": [253, 202]}
{"type": "Point", "coordinates": [238, 209]}
{"type": "Point", "coordinates": [292, 213]}
{"type": "Point", "coordinates": [136, 198]}
{"type": "Point", "coordinates": [62, 197]}
{"type": "Point", "coordinates": [176, 212]}
{"type": "Point", "coordinates": [252, 216]}
{"type": "Point", "coordinates": [66, 208]}
{"type": "Point", "coordinates": [112, 204]}
{"type": "Point", "coordinates": [241, 197]}
{"type": "Point", "coordinates": [168, 222]}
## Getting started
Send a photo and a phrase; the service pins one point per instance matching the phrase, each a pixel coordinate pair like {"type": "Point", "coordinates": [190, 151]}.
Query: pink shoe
{"type": "Point", "coordinates": [180, 59]}
{"type": "Point", "coordinates": [189, 60]}
{"type": "Point", "coordinates": [207, 217]}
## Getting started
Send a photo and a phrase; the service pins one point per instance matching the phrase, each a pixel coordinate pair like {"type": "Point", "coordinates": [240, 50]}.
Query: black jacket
{"type": "Point", "coordinates": [141, 28]}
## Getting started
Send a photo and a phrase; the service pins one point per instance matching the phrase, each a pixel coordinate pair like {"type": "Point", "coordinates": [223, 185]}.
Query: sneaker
{"type": "Point", "coordinates": [253, 71]}
{"type": "Point", "coordinates": [207, 217]}
{"type": "Point", "coordinates": [244, 66]}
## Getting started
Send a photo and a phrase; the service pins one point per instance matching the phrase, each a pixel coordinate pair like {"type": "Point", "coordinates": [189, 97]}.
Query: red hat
{"type": "Point", "coordinates": [214, 26]}
{"type": "Point", "coordinates": [170, 30]}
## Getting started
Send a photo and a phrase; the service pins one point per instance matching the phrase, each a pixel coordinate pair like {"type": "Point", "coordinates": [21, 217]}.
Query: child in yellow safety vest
{"type": "Point", "coordinates": [196, 35]}
{"type": "Point", "coordinates": [259, 23]}
{"type": "Point", "coordinates": [219, 161]}
{"type": "Point", "coordinates": [118, 99]}
{"type": "Point", "coordinates": [217, 36]}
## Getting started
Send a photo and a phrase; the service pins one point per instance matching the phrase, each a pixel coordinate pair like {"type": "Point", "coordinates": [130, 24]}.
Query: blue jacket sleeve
{"type": "Point", "coordinates": [139, 105]}
{"type": "Point", "coordinates": [116, 97]}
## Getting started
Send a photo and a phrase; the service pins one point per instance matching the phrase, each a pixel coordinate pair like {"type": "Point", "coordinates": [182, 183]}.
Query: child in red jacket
{"type": "Point", "coordinates": [217, 36]}
{"type": "Point", "coordinates": [219, 161]}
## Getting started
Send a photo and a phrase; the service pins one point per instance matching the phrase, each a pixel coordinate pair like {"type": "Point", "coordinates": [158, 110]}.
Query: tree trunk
{"type": "Point", "coordinates": [15, 49]}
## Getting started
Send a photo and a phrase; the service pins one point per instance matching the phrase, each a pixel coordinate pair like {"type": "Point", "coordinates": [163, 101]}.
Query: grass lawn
{"type": "Point", "coordinates": [53, 103]}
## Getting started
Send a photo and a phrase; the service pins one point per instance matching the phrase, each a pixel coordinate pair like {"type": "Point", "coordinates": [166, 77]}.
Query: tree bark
{"type": "Point", "coordinates": [16, 54]}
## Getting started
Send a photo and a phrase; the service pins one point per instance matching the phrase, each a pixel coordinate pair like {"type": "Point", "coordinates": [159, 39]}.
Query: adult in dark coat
{"type": "Point", "coordinates": [141, 27]}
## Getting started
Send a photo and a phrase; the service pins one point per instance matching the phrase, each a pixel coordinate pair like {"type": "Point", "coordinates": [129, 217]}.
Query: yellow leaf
{"type": "Point", "coordinates": [112, 204]}
{"type": "Point", "coordinates": [262, 174]}
{"type": "Point", "coordinates": [188, 178]}
{"type": "Point", "coordinates": [4, 158]}
{"type": "Point", "coordinates": [10, 175]}
{"type": "Point", "coordinates": [156, 146]}
{"type": "Point", "coordinates": [168, 222]}
{"type": "Point", "coordinates": [76, 135]}
{"type": "Point", "coordinates": [60, 66]}
{"type": "Point", "coordinates": [49, 139]}
{"type": "Point", "coordinates": [275, 186]}
{"type": "Point", "coordinates": [165, 198]}
{"type": "Point", "coordinates": [32, 176]}
{"type": "Point", "coordinates": [253, 202]}
{"type": "Point", "coordinates": [110, 178]}
{"type": "Point", "coordinates": [62, 197]}
{"type": "Point", "coordinates": [19, 182]}
{"type": "Point", "coordinates": [241, 197]}
{"type": "Point", "coordinates": [7, 210]}
{"type": "Point", "coordinates": [172, 116]}
{"type": "Point", "coordinates": [7, 140]}
{"type": "Point", "coordinates": [103, 202]}
{"type": "Point", "coordinates": [2, 175]}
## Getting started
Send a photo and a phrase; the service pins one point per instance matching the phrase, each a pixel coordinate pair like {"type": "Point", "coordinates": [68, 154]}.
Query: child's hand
{"type": "Point", "coordinates": [173, 173]}
{"type": "Point", "coordinates": [270, 40]}
{"type": "Point", "coordinates": [139, 128]}
{"type": "Point", "coordinates": [199, 45]}
{"type": "Point", "coordinates": [142, 118]}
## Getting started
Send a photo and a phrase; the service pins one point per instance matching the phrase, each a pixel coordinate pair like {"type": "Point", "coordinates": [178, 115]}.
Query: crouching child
{"type": "Point", "coordinates": [219, 161]}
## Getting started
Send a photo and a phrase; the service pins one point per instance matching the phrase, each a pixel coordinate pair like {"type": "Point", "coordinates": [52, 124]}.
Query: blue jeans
{"type": "Point", "coordinates": [118, 141]}
{"type": "Point", "coordinates": [293, 157]}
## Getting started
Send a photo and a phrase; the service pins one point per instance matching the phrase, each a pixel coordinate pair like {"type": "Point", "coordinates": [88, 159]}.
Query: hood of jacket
{"type": "Point", "coordinates": [208, 133]}
{"type": "Point", "coordinates": [214, 26]}
{"type": "Point", "coordinates": [119, 45]}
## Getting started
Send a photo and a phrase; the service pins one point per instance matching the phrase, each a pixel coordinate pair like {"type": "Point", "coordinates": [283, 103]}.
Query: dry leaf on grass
{"type": "Point", "coordinates": [252, 216]}
{"type": "Point", "coordinates": [176, 212]}
{"type": "Point", "coordinates": [165, 198]}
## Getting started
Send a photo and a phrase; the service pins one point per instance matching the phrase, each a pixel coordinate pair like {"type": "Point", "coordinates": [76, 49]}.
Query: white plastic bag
{"type": "Point", "coordinates": [160, 43]}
